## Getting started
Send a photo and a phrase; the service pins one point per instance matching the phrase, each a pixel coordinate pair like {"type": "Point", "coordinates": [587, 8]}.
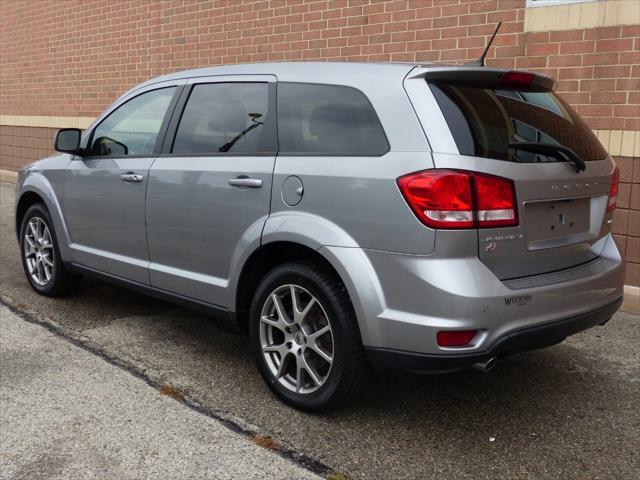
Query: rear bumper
{"type": "Point", "coordinates": [402, 301]}
{"type": "Point", "coordinates": [529, 338]}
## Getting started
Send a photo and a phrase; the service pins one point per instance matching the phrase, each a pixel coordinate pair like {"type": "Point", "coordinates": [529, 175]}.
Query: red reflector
{"type": "Point", "coordinates": [458, 338]}
{"type": "Point", "coordinates": [459, 199]}
{"type": "Point", "coordinates": [514, 80]}
{"type": "Point", "coordinates": [613, 191]}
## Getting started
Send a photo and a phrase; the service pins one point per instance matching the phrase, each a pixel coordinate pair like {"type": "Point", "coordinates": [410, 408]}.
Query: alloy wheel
{"type": "Point", "coordinates": [38, 251]}
{"type": "Point", "coordinates": [296, 339]}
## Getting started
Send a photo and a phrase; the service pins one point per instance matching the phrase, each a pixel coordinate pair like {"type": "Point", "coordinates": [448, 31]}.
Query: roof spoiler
{"type": "Point", "coordinates": [490, 78]}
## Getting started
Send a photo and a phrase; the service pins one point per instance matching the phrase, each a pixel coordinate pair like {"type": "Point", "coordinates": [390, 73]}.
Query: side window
{"type": "Point", "coordinates": [132, 129]}
{"type": "Point", "coordinates": [318, 119]}
{"type": "Point", "coordinates": [226, 118]}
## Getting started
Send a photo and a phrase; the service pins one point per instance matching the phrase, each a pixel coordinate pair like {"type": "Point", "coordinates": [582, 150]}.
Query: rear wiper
{"type": "Point", "coordinates": [558, 151]}
{"type": "Point", "coordinates": [254, 118]}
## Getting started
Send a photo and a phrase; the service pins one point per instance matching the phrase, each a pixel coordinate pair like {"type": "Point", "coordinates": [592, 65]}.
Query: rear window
{"type": "Point", "coordinates": [484, 122]}
{"type": "Point", "coordinates": [226, 118]}
{"type": "Point", "coordinates": [318, 119]}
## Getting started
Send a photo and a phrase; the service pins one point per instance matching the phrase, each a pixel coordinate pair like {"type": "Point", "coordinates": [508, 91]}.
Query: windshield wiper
{"type": "Point", "coordinates": [558, 151]}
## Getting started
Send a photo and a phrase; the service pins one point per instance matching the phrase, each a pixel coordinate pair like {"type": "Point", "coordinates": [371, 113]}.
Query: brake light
{"type": "Point", "coordinates": [516, 80]}
{"type": "Point", "coordinates": [460, 199]}
{"type": "Point", "coordinates": [459, 338]}
{"type": "Point", "coordinates": [613, 191]}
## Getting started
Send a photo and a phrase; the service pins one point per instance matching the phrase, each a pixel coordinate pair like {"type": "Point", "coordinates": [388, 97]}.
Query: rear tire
{"type": "Point", "coordinates": [40, 255]}
{"type": "Point", "coordinates": [320, 345]}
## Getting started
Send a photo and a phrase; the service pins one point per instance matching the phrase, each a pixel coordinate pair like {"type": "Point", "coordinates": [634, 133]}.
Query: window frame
{"type": "Point", "coordinates": [344, 155]}
{"type": "Point", "coordinates": [176, 118]}
{"type": "Point", "coordinates": [90, 132]}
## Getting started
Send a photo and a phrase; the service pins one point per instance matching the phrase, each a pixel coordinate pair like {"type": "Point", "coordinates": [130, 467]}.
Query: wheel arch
{"type": "Point", "coordinates": [350, 265]}
{"type": "Point", "coordinates": [36, 188]}
{"type": "Point", "coordinates": [26, 200]}
{"type": "Point", "coordinates": [265, 258]}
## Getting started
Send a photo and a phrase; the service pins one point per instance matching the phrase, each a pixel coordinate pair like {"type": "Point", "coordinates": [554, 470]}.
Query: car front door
{"type": "Point", "coordinates": [210, 188]}
{"type": "Point", "coordinates": [104, 200]}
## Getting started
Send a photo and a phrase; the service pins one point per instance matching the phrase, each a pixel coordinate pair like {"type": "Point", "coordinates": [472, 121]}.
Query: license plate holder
{"type": "Point", "coordinates": [557, 222]}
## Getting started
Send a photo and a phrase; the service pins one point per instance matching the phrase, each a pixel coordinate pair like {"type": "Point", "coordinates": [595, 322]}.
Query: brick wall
{"type": "Point", "coordinates": [21, 145]}
{"type": "Point", "coordinates": [72, 58]}
{"type": "Point", "coordinates": [626, 220]}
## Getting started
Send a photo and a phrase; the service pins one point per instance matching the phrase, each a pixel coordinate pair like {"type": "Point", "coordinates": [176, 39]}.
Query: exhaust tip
{"type": "Point", "coordinates": [487, 366]}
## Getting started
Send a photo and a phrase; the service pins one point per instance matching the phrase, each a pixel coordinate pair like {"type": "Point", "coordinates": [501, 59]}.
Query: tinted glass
{"type": "Point", "coordinates": [132, 129]}
{"type": "Point", "coordinates": [327, 120]}
{"type": "Point", "coordinates": [226, 118]}
{"type": "Point", "coordinates": [484, 122]}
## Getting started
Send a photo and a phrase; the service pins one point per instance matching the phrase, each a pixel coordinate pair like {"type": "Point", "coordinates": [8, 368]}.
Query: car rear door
{"type": "Point", "coordinates": [209, 190]}
{"type": "Point", "coordinates": [104, 191]}
{"type": "Point", "coordinates": [474, 118]}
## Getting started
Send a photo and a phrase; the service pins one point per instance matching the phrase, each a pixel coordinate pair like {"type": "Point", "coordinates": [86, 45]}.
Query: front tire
{"type": "Point", "coordinates": [305, 338]}
{"type": "Point", "coordinates": [40, 254]}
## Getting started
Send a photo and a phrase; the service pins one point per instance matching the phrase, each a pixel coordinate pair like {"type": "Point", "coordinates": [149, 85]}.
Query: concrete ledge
{"type": "Point", "coordinates": [579, 15]}
{"type": "Point", "coordinates": [42, 121]}
{"type": "Point", "coordinates": [623, 143]}
{"type": "Point", "coordinates": [8, 176]}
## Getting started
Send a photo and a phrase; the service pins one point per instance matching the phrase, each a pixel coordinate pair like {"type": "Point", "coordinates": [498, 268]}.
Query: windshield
{"type": "Point", "coordinates": [484, 122]}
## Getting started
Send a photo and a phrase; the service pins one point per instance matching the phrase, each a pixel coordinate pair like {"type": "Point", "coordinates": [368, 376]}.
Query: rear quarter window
{"type": "Point", "coordinates": [316, 119]}
{"type": "Point", "coordinates": [484, 122]}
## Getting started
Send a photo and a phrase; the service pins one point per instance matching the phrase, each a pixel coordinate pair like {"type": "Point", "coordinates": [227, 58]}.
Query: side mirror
{"type": "Point", "coordinates": [68, 140]}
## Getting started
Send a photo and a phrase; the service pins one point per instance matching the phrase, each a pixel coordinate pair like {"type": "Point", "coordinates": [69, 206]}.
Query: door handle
{"type": "Point", "coordinates": [244, 181]}
{"type": "Point", "coordinates": [131, 177]}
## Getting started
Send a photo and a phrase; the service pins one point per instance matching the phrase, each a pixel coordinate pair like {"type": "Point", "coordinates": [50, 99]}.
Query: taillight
{"type": "Point", "coordinates": [455, 338]}
{"type": "Point", "coordinates": [613, 191]}
{"type": "Point", "coordinates": [460, 199]}
{"type": "Point", "coordinates": [516, 80]}
{"type": "Point", "coordinates": [496, 201]}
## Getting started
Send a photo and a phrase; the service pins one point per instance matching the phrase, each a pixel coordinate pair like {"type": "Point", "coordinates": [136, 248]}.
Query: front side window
{"type": "Point", "coordinates": [224, 118]}
{"type": "Point", "coordinates": [318, 119]}
{"type": "Point", "coordinates": [132, 129]}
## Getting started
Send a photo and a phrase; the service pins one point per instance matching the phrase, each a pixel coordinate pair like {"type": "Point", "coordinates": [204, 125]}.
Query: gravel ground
{"type": "Point", "coordinates": [570, 411]}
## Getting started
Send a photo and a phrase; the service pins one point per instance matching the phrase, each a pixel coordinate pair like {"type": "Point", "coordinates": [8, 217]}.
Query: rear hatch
{"type": "Point", "coordinates": [560, 171]}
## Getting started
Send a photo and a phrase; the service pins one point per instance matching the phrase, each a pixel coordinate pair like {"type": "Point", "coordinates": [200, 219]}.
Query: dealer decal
{"type": "Point", "coordinates": [517, 300]}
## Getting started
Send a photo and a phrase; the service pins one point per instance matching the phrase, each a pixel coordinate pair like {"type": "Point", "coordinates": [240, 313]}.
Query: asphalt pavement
{"type": "Point", "coordinates": [569, 411]}
{"type": "Point", "coordinates": [67, 413]}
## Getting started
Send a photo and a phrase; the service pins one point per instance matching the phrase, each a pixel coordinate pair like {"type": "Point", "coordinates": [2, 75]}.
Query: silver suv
{"type": "Point", "coordinates": [346, 216]}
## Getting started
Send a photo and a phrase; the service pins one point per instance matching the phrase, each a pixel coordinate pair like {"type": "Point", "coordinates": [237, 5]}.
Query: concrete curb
{"type": "Point", "coordinates": [631, 302]}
